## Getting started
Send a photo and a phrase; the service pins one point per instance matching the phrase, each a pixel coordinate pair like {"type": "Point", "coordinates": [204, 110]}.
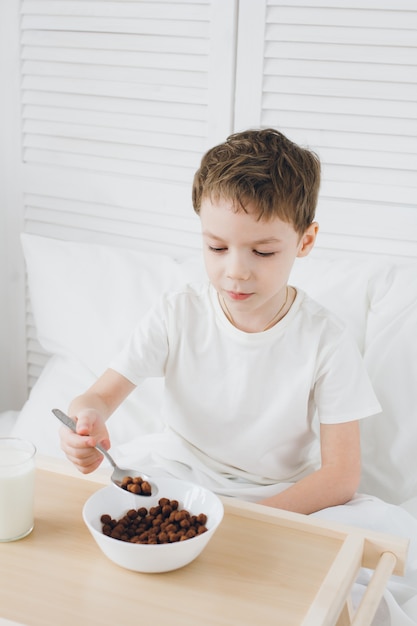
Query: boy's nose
{"type": "Point", "coordinates": [237, 268]}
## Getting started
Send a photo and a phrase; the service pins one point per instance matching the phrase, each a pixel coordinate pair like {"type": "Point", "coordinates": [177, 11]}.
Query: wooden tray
{"type": "Point", "coordinates": [263, 566]}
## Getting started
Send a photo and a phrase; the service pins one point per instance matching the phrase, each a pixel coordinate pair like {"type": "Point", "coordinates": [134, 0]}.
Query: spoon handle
{"type": "Point", "coordinates": [65, 419]}
{"type": "Point", "coordinates": [103, 451]}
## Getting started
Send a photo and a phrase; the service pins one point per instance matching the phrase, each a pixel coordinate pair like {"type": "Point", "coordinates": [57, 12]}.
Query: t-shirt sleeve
{"type": "Point", "coordinates": [146, 351]}
{"type": "Point", "coordinates": [343, 391]}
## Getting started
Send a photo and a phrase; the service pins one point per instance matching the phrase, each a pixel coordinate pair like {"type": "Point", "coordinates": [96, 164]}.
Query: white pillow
{"type": "Point", "coordinates": [86, 298]}
{"type": "Point", "coordinates": [339, 284]}
{"type": "Point", "coordinates": [390, 439]}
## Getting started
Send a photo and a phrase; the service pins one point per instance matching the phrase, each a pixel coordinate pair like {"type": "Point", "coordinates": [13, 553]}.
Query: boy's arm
{"type": "Point", "coordinates": [91, 410]}
{"type": "Point", "coordinates": [335, 482]}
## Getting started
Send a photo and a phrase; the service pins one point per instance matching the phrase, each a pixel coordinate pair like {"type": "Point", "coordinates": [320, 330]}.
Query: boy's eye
{"type": "Point", "coordinates": [215, 249]}
{"type": "Point", "coordinates": [263, 253]}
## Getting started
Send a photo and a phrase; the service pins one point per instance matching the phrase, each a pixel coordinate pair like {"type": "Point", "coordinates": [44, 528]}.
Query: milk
{"type": "Point", "coordinates": [17, 478]}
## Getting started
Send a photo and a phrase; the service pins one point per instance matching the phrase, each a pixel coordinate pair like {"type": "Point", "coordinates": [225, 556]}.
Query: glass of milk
{"type": "Point", "coordinates": [17, 486]}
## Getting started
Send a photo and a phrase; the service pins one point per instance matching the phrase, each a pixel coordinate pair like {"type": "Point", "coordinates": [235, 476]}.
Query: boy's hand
{"type": "Point", "coordinates": [79, 446]}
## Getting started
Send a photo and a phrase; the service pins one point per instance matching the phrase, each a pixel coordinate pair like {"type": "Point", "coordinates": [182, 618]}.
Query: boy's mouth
{"type": "Point", "coordinates": [238, 295]}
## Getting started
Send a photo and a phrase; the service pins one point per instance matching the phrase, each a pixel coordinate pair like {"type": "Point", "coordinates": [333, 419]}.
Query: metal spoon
{"type": "Point", "coordinates": [118, 473]}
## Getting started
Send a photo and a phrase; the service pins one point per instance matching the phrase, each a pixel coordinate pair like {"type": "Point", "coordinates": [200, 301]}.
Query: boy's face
{"type": "Point", "coordinates": [249, 261]}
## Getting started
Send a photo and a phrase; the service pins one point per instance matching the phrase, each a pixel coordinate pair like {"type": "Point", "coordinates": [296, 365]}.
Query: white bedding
{"type": "Point", "coordinates": [82, 328]}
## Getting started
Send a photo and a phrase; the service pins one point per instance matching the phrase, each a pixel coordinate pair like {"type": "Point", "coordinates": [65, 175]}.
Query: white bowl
{"type": "Point", "coordinates": [158, 557]}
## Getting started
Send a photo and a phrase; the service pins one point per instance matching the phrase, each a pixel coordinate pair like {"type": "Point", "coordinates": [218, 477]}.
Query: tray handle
{"type": "Point", "coordinates": [375, 589]}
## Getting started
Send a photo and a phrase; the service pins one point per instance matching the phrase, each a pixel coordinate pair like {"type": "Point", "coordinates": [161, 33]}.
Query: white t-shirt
{"type": "Point", "coordinates": [249, 404]}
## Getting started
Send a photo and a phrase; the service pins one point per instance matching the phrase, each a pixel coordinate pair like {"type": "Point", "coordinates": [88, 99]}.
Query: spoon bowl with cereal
{"type": "Point", "coordinates": [127, 479]}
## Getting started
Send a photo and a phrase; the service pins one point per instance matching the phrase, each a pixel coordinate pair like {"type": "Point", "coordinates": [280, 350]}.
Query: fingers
{"type": "Point", "coordinates": [79, 451]}
{"type": "Point", "coordinates": [87, 461]}
{"type": "Point", "coordinates": [79, 447]}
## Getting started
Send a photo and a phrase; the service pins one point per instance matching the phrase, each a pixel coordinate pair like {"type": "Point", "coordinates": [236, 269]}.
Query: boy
{"type": "Point", "coordinates": [263, 387]}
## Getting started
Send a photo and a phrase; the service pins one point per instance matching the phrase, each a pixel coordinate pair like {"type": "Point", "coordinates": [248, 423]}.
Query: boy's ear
{"type": "Point", "coordinates": [308, 240]}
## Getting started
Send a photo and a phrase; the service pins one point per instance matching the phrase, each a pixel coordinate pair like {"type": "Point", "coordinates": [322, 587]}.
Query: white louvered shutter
{"type": "Point", "coordinates": [341, 78]}
{"type": "Point", "coordinates": [118, 107]}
